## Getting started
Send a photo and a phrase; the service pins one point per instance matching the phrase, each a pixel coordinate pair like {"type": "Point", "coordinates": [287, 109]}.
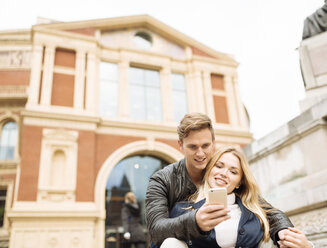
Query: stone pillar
{"type": "Point", "coordinates": [208, 96]}
{"type": "Point", "coordinates": [231, 103]}
{"type": "Point", "coordinates": [243, 122]}
{"type": "Point", "coordinates": [199, 94]}
{"type": "Point", "coordinates": [79, 80]}
{"type": "Point", "coordinates": [166, 96]}
{"type": "Point", "coordinates": [92, 84]}
{"type": "Point", "coordinates": [47, 75]}
{"type": "Point", "coordinates": [189, 91]}
{"type": "Point", "coordinates": [35, 80]}
{"type": "Point", "coordinates": [123, 90]}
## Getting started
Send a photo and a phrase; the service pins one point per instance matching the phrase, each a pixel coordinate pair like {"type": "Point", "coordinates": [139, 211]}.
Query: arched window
{"type": "Point", "coordinates": [130, 174]}
{"type": "Point", "coordinates": [8, 140]}
{"type": "Point", "coordinates": [143, 40]}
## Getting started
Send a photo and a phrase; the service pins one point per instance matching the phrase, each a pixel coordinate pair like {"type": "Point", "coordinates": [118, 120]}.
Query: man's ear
{"type": "Point", "coordinates": [180, 143]}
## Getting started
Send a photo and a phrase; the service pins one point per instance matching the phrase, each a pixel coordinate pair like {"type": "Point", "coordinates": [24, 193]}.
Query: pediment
{"type": "Point", "coordinates": [131, 38]}
{"type": "Point", "coordinates": [119, 32]}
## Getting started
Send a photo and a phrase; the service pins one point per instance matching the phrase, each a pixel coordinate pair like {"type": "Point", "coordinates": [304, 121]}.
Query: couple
{"type": "Point", "coordinates": [176, 210]}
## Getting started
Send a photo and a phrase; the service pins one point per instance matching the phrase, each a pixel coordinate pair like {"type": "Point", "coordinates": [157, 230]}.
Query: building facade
{"type": "Point", "coordinates": [289, 163]}
{"type": "Point", "coordinates": [88, 111]}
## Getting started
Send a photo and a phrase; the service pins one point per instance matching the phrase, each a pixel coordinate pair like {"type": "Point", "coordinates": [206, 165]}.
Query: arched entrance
{"type": "Point", "coordinates": [130, 174]}
{"type": "Point", "coordinates": [147, 148]}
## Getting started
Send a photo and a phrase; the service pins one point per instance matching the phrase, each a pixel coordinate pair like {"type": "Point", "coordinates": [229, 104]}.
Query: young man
{"type": "Point", "coordinates": [179, 180]}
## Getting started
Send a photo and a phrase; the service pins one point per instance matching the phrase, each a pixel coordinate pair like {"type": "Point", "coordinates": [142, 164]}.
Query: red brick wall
{"type": "Point", "coordinates": [107, 144]}
{"type": "Point", "coordinates": [217, 82]}
{"type": "Point", "coordinates": [10, 177]}
{"type": "Point", "coordinates": [221, 111]}
{"type": "Point", "coordinates": [172, 143]}
{"type": "Point", "coordinates": [93, 150]}
{"type": "Point", "coordinates": [30, 161]}
{"type": "Point", "coordinates": [85, 181]}
{"type": "Point", "coordinates": [64, 57]}
{"type": "Point", "coordinates": [63, 90]}
{"type": "Point", "coordinates": [15, 77]}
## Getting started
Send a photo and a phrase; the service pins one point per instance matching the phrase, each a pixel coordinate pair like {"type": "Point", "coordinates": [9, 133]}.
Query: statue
{"type": "Point", "coordinates": [315, 23]}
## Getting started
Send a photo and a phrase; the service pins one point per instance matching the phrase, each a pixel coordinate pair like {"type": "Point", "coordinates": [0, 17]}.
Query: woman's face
{"type": "Point", "coordinates": [227, 172]}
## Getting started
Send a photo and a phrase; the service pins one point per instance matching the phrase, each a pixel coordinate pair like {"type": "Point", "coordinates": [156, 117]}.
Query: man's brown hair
{"type": "Point", "coordinates": [194, 122]}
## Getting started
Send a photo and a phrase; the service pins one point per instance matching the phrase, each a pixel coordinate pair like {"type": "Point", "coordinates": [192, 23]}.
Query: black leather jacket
{"type": "Point", "coordinates": [173, 184]}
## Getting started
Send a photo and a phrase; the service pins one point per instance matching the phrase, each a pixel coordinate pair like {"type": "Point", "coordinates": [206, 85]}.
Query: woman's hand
{"type": "Point", "coordinates": [293, 238]}
{"type": "Point", "coordinates": [210, 215]}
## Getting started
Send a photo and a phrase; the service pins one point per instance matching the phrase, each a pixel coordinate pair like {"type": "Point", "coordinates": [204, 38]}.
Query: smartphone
{"type": "Point", "coordinates": [218, 195]}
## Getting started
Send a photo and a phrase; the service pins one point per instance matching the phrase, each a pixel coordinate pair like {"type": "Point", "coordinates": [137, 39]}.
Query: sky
{"type": "Point", "coordinates": [263, 36]}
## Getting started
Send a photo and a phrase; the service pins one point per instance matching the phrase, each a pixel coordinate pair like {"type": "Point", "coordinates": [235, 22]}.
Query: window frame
{"type": "Point", "coordinates": [177, 90]}
{"type": "Point", "coordinates": [145, 87]}
{"type": "Point", "coordinates": [108, 81]}
{"type": "Point", "coordinates": [3, 122]}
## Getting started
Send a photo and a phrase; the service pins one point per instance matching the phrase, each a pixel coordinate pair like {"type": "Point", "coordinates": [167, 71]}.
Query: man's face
{"type": "Point", "coordinates": [198, 148]}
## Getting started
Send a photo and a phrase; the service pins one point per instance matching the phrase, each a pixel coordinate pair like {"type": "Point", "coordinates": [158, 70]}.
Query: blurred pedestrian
{"type": "Point", "coordinates": [131, 219]}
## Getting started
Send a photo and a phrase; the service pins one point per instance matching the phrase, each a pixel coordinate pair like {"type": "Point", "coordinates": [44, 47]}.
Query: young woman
{"type": "Point", "coordinates": [131, 220]}
{"type": "Point", "coordinates": [246, 224]}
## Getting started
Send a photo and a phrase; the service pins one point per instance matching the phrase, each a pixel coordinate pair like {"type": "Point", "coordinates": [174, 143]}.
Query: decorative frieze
{"type": "Point", "coordinates": [14, 59]}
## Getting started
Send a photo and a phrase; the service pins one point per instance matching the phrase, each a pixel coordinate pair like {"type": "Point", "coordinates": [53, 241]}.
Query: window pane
{"type": "Point", "coordinates": [179, 96]}
{"type": "Point", "coordinates": [137, 102]}
{"type": "Point", "coordinates": [8, 141]}
{"type": "Point", "coordinates": [137, 76]}
{"type": "Point", "coordinates": [108, 90]}
{"type": "Point", "coordinates": [180, 106]}
{"type": "Point", "coordinates": [178, 82]}
{"type": "Point", "coordinates": [153, 104]}
{"type": "Point", "coordinates": [108, 71]}
{"type": "Point", "coordinates": [145, 94]}
{"type": "Point", "coordinates": [152, 78]}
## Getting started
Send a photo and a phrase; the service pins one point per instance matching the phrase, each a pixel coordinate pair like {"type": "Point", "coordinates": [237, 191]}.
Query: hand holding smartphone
{"type": "Point", "coordinates": [217, 196]}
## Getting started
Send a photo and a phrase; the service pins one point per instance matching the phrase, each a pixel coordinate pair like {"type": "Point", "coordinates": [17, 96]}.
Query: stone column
{"type": "Point", "coordinates": [239, 104]}
{"type": "Point", "coordinates": [79, 80]}
{"type": "Point", "coordinates": [231, 101]}
{"type": "Point", "coordinates": [123, 90]}
{"type": "Point", "coordinates": [167, 105]}
{"type": "Point", "coordinates": [47, 75]}
{"type": "Point", "coordinates": [199, 94]}
{"type": "Point", "coordinates": [92, 84]}
{"type": "Point", "coordinates": [208, 96]}
{"type": "Point", "coordinates": [35, 80]}
{"type": "Point", "coordinates": [189, 89]}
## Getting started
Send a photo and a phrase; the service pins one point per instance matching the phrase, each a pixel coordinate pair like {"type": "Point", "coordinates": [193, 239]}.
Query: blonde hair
{"type": "Point", "coordinates": [194, 122]}
{"type": "Point", "coordinates": [248, 190]}
{"type": "Point", "coordinates": [130, 197]}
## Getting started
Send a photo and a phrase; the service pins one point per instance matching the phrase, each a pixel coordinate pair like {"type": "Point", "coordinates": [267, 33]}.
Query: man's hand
{"type": "Point", "coordinates": [210, 215]}
{"type": "Point", "coordinates": [293, 238]}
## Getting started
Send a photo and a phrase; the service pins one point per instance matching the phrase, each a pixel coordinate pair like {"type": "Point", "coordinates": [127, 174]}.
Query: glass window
{"type": "Point", "coordinates": [8, 140]}
{"type": "Point", "coordinates": [145, 94]}
{"type": "Point", "coordinates": [3, 194]}
{"type": "Point", "coordinates": [143, 40]}
{"type": "Point", "coordinates": [179, 96]}
{"type": "Point", "coordinates": [108, 92]}
{"type": "Point", "coordinates": [130, 174]}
